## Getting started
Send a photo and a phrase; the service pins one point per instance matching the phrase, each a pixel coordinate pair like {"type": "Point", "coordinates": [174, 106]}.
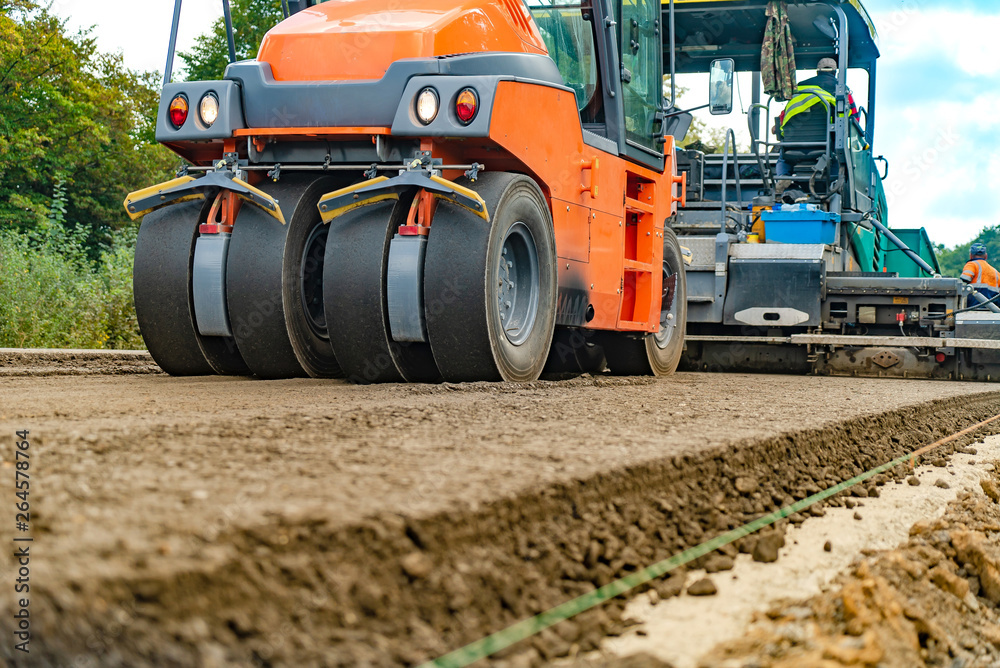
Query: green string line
{"type": "Point", "coordinates": [534, 625]}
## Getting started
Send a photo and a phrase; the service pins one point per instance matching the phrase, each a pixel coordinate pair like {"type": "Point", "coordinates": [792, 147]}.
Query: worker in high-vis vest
{"type": "Point", "coordinates": [815, 95]}
{"type": "Point", "coordinates": [980, 274]}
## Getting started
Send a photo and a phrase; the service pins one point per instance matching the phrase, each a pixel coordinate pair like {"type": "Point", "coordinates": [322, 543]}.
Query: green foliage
{"type": "Point", "coordinates": [952, 260]}
{"type": "Point", "coordinates": [72, 121]}
{"type": "Point", "coordinates": [208, 58]}
{"type": "Point", "coordinates": [699, 136]}
{"type": "Point", "coordinates": [52, 296]}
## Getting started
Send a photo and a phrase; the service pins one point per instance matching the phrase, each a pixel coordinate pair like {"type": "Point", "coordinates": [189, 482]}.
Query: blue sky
{"type": "Point", "coordinates": [939, 93]}
{"type": "Point", "coordinates": [938, 109]}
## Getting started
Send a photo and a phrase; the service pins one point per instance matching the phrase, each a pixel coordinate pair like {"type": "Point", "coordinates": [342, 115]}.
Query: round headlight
{"type": "Point", "coordinates": [178, 111]}
{"type": "Point", "coordinates": [427, 105]}
{"type": "Point", "coordinates": [209, 109]}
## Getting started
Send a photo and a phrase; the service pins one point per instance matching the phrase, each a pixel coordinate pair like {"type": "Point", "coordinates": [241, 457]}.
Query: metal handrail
{"type": "Point", "coordinates": [730, 135]}
{"type": "Point", "coordinates": [765, 172]}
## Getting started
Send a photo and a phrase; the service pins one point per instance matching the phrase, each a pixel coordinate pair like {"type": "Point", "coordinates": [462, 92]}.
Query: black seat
{"type": "Point", "coordinates": [809, 167]}
{"type": "Point", "coordinates": [810, 126]}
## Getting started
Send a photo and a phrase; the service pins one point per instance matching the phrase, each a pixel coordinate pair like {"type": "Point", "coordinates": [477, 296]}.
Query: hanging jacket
{"type": "Point", "coordinates": [777, 56]}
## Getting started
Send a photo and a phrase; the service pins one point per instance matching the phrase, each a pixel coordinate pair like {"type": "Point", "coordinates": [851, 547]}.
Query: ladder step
{"type": "Point", "coordinates": [632, 326]}
{"type": "Point", "coordinates": [637, 206]}
{"type": "Point", "coordinates": [636, 266]}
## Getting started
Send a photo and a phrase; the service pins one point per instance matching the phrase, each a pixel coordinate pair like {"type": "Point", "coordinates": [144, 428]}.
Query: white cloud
{"type": "Point", "coordinates": [959, 178]}
{"type": "Point", "coordinates": [966, 38]}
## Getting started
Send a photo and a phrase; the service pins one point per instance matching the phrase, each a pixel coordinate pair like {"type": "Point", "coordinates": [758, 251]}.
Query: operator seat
{"type": "Point", "coordinates": [808, 127]}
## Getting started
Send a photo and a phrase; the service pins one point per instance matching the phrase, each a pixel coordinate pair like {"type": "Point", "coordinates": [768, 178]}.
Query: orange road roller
{"type": "Point", "coordinates": [435, 190]}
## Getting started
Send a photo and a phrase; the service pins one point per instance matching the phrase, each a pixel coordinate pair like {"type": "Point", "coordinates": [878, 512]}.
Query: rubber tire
{"type": "Point", "coordinates": [164, 304]}
{"type": "Point", "coordinates": [262, 301]}
{"type": "Point", "coordinates": [463, 255]}
{"type": "Point", "coordinates": [354, 293]}
{"type": "Point", "coordinates": [630, 355]}
{"type": "Point", "coordinates": [313, 352]}
{"type": "Point", "coordinates": [355, 283]}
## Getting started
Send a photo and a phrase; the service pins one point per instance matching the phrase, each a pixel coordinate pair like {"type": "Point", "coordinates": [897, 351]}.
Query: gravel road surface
{"type": "Point", "coordinates": [216, 521]}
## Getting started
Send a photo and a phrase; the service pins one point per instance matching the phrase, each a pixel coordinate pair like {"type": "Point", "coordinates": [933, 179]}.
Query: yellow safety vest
{"type": "Point", "coordinates": [804, 100]}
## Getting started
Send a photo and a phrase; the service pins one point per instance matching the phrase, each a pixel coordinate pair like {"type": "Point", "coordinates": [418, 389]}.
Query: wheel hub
{"type": "Point", "coordinates": [668, 308]}
{"type": "Point", "coordinates": [517, 284]}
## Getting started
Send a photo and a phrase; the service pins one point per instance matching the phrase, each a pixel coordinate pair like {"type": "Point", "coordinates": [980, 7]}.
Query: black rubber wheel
{"type": "Point", "coordinates": [302, 290]}
{"type": "Point", "coordinates": [490, 288]}
{"type": "Point", "coordinates": [655, 354]}
{"type": "Point", "coordinates": [268, 277]}
{"type": "Point", "coordinates": [164, 306]}
{"type": "Point", "coordinates": [355, 280]}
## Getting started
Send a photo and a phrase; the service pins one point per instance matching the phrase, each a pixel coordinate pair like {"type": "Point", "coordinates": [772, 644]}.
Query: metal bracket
{"type": "Point", "coordinates": [473, 173]}
{"type": "Point", "coordinates": [188, 188]}
{"type": "Point", "coordinates": [341, 201]}
{"type": "Point", "coordinates": [886, 359]}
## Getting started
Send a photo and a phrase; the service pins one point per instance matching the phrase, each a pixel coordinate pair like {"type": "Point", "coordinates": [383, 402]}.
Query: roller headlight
{"type": "Point", "coordinates": [208, 109]}
{"type": "Point", "coordinates": [427, 105]}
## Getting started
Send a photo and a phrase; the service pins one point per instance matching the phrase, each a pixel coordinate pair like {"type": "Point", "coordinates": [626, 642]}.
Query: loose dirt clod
{"type": "Point", "coordinates": [931, 602]}
{"type": "Point", "coordinates": [718, 563]}
{"type": "Point", "coordinates": [417, 565]}
{"type": "Point", "coordinates": [767, 546]}
{"type": "Point", "coordinates": [913, 481]}
{"type": "Point", "coordinates": [942, 484]}
{"type": "Point", "coordinates": [990, 489]}
{"type": "Point", "coordinates": [828, 546]}
{"type": "Point", "coordinates": [703, 587]}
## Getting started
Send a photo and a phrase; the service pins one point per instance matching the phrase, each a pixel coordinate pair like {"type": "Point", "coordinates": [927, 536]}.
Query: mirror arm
{"type": "Point", "coordinates": [686, 111]}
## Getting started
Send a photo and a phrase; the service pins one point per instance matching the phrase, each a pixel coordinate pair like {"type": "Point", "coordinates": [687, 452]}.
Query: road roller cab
{"type": "Point", "coordinates": [455, 191]}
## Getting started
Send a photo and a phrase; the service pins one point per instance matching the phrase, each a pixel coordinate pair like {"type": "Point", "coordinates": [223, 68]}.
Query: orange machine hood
{"type": "Point", "coordinates": [358, 39]}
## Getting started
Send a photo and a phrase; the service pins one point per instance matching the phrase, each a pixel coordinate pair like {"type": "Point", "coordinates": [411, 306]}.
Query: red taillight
{"type": "Point", "coordinates": [178, 111]}
{"type": "Point", "coordinates": [466, 105]}
{"type": "Point", "coordinates": [940, 357]}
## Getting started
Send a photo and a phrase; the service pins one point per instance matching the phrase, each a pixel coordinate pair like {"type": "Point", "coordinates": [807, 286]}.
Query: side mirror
{"type": "Point", "coordinates": [720, 86]}
{"type": "Point", "coordinates": [884, 174]}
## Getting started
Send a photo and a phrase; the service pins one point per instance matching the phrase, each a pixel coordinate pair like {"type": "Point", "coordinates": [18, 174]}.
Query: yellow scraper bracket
{"type": "Point", "coordinates": [339, 202]}
{"type": "Point", "coordinates": [187, 188]}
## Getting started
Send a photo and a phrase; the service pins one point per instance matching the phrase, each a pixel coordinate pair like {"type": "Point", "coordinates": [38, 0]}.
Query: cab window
{"type": "Point", "coordinates": [570, 41]}
{"type": "Point", "coordinates": [642, 82]}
